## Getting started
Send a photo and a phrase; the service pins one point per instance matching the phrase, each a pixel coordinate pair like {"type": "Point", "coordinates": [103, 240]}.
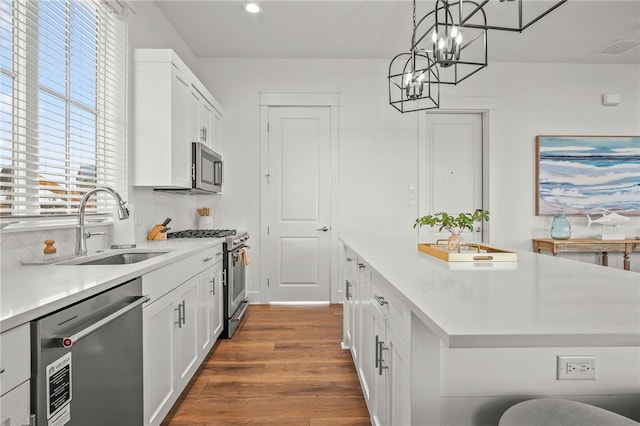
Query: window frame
{"type": "Point", "coordinates": [24, 144]}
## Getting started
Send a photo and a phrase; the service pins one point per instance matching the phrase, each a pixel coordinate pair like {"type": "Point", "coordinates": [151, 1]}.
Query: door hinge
{"type": "Point", "coordinates": [267, 127]}
{"type": "Point", "coordinates": [268, 283]}
{"type": "Point", "coordinates": [268, 231]}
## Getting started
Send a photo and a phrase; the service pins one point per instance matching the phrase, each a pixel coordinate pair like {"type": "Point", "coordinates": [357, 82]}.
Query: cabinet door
{"type": "Point", "coordinates": [348, 306]}
{"type": "Point", "coordinates": [160, 390]}
{"type": "Point", "coordinates": [186, 330]}
{"type": "Point", "coordinates": [14, 406]}
{"type": "Point", "coordinates": [399, 380]}
{"type": "Point", "coordinates": [206, 302]}
{"type": "Point", "coordinates": [217, 310]}
{"type": "Point", "coordinates": [180, 140]}
{"type": "Point", "coordinates": [379, 408]}
{"type": "Point", "coordinates": [216, 130]}
{"type": "Point", "coordinates": [364, 332]}
{"type": "Point", "coordinates": [195, 128]}
{"type": "Point", "coordinates": [206, 121]}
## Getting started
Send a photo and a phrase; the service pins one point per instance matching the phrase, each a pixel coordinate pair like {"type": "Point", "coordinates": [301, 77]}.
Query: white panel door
{"type": "Point", "coordinates": [453, 164]}
{"type": "Point", "coordinates": [298, 204]}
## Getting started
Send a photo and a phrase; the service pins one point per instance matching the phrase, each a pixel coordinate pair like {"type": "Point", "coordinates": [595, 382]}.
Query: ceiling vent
{"type": "Point", "coordinates": [618, 47]}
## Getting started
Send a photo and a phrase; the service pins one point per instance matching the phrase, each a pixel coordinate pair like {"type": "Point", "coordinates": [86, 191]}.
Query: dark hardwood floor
{"type": "Point", "coordinates": [284, 366]}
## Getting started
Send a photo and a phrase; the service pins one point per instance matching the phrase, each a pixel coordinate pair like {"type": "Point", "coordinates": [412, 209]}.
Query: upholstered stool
{"type": "Point", "coordinates": [561, 412]}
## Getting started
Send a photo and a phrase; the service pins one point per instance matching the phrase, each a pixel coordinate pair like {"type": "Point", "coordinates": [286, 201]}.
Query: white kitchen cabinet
{"type": "Point", "coordinates": [381, 339]}
{"type": "Point", "coordinates": [364, 333]}
{"type": "Point", "coordinates": [14, 406]}
{"type": "Point", "coordinates": [15, 355]}
{"type": "Point", "coordinates": [210, 308]}
{"type": "Point", "coordinates": [205, 117]}
{"type": "Point", "coordinates": [172, 109]}
{"type": "Point", "coordinates": [162, 143]}
{"type": "Point", "coordinates": [173, 323]}
{"type": "Point", "coordinates": [186, 329]}
{"type": "Point", "coordinates": [392, 379]}
{"type": "Point", "coordinates": [170, 349]}
{"type": "Point", "coordinates": [348, 308]}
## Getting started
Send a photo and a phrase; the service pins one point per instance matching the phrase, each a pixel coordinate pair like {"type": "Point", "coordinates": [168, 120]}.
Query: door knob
{"type": "Point", "coordinates": [323, 229]}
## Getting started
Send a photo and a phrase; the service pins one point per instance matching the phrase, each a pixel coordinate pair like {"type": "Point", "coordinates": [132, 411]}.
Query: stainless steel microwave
{"type": "Point", "coordinates": [206, 169]}
{"type": "Point", "coordinates": [206, 172]}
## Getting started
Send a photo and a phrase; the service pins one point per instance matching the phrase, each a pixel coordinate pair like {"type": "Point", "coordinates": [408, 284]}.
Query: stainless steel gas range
{"type": "Point", "coordinates": [234, 280]}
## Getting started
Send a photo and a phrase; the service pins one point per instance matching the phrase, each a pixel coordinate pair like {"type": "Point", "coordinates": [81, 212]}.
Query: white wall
{"type": "Point", "coordinates": [378, 145]}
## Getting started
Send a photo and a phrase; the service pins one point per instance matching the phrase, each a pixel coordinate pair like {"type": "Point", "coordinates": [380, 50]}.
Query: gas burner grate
{"type": "Point", "coordinates": [202, 233]}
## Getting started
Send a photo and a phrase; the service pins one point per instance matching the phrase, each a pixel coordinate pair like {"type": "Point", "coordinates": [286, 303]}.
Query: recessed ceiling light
{"type": "Point", "coordinates": [251, 7]}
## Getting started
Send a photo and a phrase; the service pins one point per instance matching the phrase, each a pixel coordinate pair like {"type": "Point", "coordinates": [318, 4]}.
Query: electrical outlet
{"type": "Point", "coordinates": [576, 367]}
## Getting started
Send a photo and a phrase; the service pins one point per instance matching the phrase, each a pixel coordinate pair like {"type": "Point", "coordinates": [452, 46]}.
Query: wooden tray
{"type": "Point", "coordinates": [468, 253]}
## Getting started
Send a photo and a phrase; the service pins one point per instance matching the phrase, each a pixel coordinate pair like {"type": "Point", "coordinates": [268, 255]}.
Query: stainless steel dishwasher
{"type": "Point", "coordinates": [86, 366]}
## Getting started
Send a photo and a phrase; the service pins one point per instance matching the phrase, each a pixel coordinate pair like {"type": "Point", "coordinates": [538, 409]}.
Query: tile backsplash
{"type": "Point", "coordinates": [147, 208]}
{"type": "Point", "coordinates": [17, 246]}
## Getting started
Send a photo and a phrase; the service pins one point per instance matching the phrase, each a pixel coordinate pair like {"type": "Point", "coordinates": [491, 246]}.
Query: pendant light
{"type": "Point", "coordinates": [413, 78]}
{"type": "Point", "coordinates": [509, 15]}
{"type": "Point", "coordinates": [459, 51]}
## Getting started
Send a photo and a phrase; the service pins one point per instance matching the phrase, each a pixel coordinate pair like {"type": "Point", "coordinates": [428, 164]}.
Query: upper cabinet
{"type": "Point", "coordinates": [205, 118]}
{"type": "Point", "coordinates": [172, 109]}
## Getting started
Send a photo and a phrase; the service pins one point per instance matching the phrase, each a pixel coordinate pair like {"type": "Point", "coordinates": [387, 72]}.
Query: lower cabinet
{"type": "Point", "coordinates": [170, 348]}
{"type": "Point", "coordinates": [15, 356]}
{"type": "Point", "coordinates": [14, 406]}
{"type": "Point", "coordinates": [209, 307]}
{"type": "Point", "coordinates": [179, 329]}
{"type": "Point", "coordinates": [382, 341]}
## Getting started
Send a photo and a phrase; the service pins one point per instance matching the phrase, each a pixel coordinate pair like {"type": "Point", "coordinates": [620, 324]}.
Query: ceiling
{"type": "Point", "coordinates": [380, 29]}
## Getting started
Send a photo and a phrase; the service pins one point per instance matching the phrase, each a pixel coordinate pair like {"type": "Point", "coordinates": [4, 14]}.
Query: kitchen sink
{"type": "Point", "coordinates": [125, 258]}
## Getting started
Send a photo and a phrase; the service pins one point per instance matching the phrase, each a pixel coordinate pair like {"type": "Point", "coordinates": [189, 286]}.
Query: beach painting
{"type": "Point", "coordinates": [588, 174]}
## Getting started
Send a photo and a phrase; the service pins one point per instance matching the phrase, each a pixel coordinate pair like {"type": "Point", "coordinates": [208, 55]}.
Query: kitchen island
{"type": "Point", "coordinates": [471, 339]}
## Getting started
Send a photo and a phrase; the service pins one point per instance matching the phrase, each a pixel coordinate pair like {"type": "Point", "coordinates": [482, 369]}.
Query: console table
{"type": "Point", "coordinates": [589, 245]}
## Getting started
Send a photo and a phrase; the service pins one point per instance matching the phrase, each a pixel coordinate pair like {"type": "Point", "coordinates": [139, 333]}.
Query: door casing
{"type": "Point", "coordinates": [300, 99]}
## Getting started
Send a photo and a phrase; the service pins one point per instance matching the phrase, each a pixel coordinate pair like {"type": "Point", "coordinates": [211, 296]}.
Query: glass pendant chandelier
{"type": "Point", "coordinates": [413, 78]}
{"type": "Point", "coordinates": [509, 15]}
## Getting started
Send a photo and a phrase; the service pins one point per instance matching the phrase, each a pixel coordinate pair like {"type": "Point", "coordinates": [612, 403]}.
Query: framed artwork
{"type": "Point", "coordinates": [587, 174]}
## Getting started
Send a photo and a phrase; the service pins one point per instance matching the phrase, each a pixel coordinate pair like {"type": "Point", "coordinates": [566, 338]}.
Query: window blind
{"type": "Point", "coordinates": [62, 110]}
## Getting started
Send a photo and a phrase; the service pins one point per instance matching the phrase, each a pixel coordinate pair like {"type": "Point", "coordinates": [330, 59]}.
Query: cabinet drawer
{"type": "Point", "coordinates": [14, 407]}
{"type": "Point", "coordinates": [157, 283]}
{"type": "Point", "coordinates": [15, 357]}
{"type": "Point", "coordinates": [391, 305]}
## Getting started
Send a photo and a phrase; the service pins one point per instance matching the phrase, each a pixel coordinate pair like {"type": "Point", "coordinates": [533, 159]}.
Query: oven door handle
{"type": "Point", "coordinates": [244, 310]}
{"type": "Point", "coordinates": [68, 341]}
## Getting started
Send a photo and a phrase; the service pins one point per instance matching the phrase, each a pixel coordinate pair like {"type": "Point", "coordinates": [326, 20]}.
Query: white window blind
{"type": "Point", "coordinates": [62, 110]}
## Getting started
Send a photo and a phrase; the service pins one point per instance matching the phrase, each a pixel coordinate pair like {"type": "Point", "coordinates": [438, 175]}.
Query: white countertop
{"type": "Point", "coordinates": [538, 301]}
{"type": "Point", "coordinates": [28, 292]}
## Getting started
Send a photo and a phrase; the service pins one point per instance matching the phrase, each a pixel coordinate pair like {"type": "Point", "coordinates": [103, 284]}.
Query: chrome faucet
{"type": "Point", "coordinates": [81, 234]}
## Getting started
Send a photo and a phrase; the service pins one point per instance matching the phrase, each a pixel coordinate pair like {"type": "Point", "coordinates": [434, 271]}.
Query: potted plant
{"type": "Point", "coordinates": [455, 224]}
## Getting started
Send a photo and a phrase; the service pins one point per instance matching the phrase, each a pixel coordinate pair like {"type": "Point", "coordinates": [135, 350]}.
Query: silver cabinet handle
{"type": "Point", "coordinates": [68, 341]}
{"type": "Point", "coordinates": [212, 281]}
{"type": "Point", "coordinates": [380, 300]}
{"type": "Point", "coordinates": [349, 259]}
{"type": "Point", "coordinates": [380, 365]}
{"type": "Point", "coordinates": [377, 351]}
{"type": "Point", "coordinates": [361, 265]}
{"type": "Point", "coordinates": [184, 312]}
{"type": "Point", "coordinates": [323, 229]}
{"type": "Point", "coordinates": [348, 287]}
{"type": "Point", "coordinates": [32, 420]}
{"type": "Point", "coordinates": [2, 370]}
{"type": "Point", "coordinates": [207, 259]}
{"type": "Point", "coordinates": [179, 309]}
